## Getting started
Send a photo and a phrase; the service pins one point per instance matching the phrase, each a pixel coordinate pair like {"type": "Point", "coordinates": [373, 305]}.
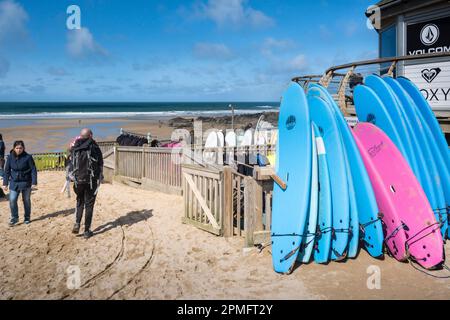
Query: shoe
{"type": "Point", "coordinates": [76, 228]}
{"type": "Point", "coordinates": [88, 234]}
{"type": "Point", "coordinates": [27, 222]}
{"type": "Point", "coordinates": [12, 223]}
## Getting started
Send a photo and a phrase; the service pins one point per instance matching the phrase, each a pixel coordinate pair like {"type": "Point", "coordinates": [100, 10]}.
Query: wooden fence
{"type": "Point", "coordinates": [153, 168]}
{"type": "Point", "coordinates": [106, 146]}
{"type": "Point", "coordinates": [216, 198]}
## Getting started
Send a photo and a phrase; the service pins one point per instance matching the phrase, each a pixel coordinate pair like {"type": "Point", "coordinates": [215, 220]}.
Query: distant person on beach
{"type": "Point", "coordinates": [2, 162]}
{"type": "Point", "coordinates": [20, 174]}
{"type": "Point", "coordinates": [86, 162]}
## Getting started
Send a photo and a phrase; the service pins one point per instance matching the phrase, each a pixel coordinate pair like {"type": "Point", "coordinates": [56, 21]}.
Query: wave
{"type": "Point", "coordinates": [126, 114]}
{"type": "Point", "coordinates": [264, 107]}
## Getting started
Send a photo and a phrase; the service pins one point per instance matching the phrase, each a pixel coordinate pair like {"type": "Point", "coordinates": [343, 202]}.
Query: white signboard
{"type": "Point", "coordinates": [433, 79]}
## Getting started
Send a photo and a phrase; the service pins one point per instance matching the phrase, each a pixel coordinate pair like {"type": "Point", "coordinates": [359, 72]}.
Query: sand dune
{"type": "Point", "coordinates": [141, 250]}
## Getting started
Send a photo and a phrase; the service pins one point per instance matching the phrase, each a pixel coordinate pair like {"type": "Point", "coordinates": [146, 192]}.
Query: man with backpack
{"type": "Point", "coordinates": [86, 171]}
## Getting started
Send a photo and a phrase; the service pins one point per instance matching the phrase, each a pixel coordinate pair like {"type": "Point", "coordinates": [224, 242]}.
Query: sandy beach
{"type": "Point", "coordinates": [141, 250]}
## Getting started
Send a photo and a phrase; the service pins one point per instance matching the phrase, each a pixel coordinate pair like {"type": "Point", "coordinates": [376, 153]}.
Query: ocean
{"type": "Point", "coordinates": [141, 110]}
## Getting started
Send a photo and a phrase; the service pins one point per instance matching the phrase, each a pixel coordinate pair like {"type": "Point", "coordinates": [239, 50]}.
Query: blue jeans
{"type": "Point", "coordinates": [26, 198]}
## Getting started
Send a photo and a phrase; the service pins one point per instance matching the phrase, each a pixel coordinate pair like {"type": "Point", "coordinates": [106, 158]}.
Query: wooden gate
{"type": "Point", "coordinates": [203, 198]}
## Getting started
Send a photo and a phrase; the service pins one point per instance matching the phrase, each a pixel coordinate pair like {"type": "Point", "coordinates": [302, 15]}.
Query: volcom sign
{"type": "Point", "coordinates": [433, 80]}
{"type": "Point", "coordinates": [428, 37]}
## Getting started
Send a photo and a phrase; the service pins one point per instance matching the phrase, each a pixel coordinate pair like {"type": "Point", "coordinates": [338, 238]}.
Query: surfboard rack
{"type": "Point", "coordinates": [267, 173]}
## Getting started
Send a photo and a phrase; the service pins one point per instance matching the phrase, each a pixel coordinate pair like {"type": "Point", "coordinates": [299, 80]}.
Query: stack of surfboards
{"type": "Point", "coordinates": [348, 189]}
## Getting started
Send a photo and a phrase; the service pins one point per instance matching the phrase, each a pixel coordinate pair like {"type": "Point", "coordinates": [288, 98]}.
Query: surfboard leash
{"type": "Point", "coordinates": [443, 214]}
{"type": "Point", "coordinates": [425, 271]}
{"type": "Point", "coordinates": [402, 226]}
{"type": "Point", "coordinates": [299, 247]}
{"type": "Point", "coordinates": [414, 260]}
{"type": "Point", "coordinates": [363, 226]}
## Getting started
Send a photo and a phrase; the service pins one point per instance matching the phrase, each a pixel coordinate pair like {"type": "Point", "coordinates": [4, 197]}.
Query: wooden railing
{"type": "Point", "coordinates": [106, 146]}
{"type": "Point", "coordinates": [163, 165]}
{"type": "Point", "coordinates": [340, 80]}
{"type": "Point", "coordinates": [156, 168]}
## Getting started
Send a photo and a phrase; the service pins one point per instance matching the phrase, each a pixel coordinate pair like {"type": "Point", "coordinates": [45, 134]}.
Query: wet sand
{"type": "Point", "coordinates": [141, 250]}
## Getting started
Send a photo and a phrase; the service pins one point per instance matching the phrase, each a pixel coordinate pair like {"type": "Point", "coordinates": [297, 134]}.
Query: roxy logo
{"type": "Point", "coordinates": [290, 122]}
{"type": "Point", "coordinates": [373, 151]}
{"type": "Point", "coordinates": [430, 74]}
{"type": "Point", "coordinates": [429, 34]}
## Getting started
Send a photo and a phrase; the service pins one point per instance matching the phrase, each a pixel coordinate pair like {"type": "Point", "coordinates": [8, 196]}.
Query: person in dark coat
{"type": "Point", "coordinates": [87, 174]}
{"type": "Point", "coordinates": [2, 162]}
{"type": "Point", "coordinates": [20, 175]}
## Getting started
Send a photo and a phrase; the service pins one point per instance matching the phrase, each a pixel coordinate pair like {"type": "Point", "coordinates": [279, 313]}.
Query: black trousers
{"type": "Point", "coordinates": [85, 202]}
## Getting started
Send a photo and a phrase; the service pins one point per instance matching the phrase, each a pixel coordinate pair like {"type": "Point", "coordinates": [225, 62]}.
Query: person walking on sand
{"type": "Point", "coordinates": [2, 162]}
{"type": "Point", "coordinates": [87, 173]}
{"type": "Point", "coordinates": [20, 175]}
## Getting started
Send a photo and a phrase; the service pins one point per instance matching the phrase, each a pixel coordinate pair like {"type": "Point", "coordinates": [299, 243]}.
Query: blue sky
{"type": "Point", "coordinates": [196, 50]}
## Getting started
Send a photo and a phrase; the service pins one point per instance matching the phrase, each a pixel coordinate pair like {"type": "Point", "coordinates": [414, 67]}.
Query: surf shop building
{"type": "Point", "coordinates": [418, 27]}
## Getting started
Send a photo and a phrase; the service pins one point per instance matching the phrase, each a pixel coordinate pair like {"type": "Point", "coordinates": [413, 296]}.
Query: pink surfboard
{"type": "Point", "coordinates": [410, 226]}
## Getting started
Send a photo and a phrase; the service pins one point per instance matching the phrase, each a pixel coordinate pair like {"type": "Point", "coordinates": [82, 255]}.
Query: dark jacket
{"type": "Point", "coordinates": [2, 149]}
{"type": "Point", "coordinates": [20, 172]}
{"type": "Point", "coordinates": [2, 157]}
{"type": "Point", "coordinates": [96, 154]}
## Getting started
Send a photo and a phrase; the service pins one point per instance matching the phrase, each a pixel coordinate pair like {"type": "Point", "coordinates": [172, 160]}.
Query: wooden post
{"type": "Point", "coordinates": [341, 91]}
{"type": "Point", "coordinates": [143, 163]}
{"type": "Point", "coordinates": [228, 202]}
{"type": "Point", "coordinates": [253, 207]}
{"type": "Point", "coordinates": [116, 161]}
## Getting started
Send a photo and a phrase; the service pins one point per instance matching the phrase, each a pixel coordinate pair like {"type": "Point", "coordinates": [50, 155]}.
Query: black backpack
{"type": "Point", "coordinates": [84, 165]}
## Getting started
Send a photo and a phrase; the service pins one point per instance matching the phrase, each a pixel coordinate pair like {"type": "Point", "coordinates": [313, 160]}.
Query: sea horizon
{"type": "Point", "coordinates": [70, 110]}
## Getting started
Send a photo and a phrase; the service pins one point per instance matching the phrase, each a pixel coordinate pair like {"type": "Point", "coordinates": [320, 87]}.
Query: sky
{"type": "Point", "coordinates": [194, 50]}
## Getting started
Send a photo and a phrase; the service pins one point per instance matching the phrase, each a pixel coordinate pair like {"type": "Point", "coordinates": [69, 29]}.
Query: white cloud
{"type": "Point", "coordinates": [81, 43]}
{"type": "Point", "coordinates": [4, 67]}
{"type": "Point", "coordinates": [298, 63]}
{"type": "Point", "coordinates": [12, 21]}
{"type": "Point", "coordinates": [271, 44]}
{"type": "Point", "coordinates": [233, 12]}
{"type": "Point", "coordinates": [288, 67]}
{"type": "Point", "coordinates": [214, 51]}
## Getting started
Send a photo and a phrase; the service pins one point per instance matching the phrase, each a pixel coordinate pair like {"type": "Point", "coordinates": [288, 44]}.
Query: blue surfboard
{"type": "Point", "coordinates": [369, 221]}
{"type": "Point", "coordinates": [427, 159]}
{"type": "Point", "coordinates": [290, 206]}
{"type": "Point", "coordinates": [429, 117]}
{"type": "Point", "coordinates": [324, 118]}
{"type": "Point", "coordinates": [324, 219]}
{"type": "Point", "coordinates": [353, 244]}
{"type": "Point", "coordinates": [386, 95]}
{"type": "Point", "coordinates": [309, 238]}
{"type": "Point", "coordinates": [370, 108]}
{"type": "Point", "coordinates": [443, 177]}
